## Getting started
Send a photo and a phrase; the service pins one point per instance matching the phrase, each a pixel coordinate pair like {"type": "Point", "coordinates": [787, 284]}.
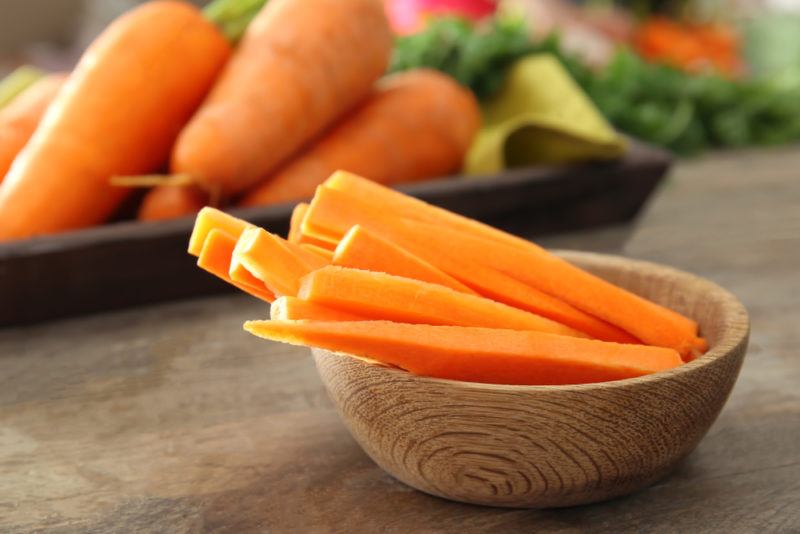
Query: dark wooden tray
{"type": "Point", "coordinates": [128, 264]}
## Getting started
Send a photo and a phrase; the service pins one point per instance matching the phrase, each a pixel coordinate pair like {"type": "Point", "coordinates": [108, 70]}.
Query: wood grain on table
{"type": "Point", "coordinates": [172, 419]}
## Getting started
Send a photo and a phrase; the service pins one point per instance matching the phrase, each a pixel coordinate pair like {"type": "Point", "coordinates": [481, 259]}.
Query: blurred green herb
{"type": "Point", "coordinates": [233, 16]}
{"type": "Point", "coordinates": [686, 113]}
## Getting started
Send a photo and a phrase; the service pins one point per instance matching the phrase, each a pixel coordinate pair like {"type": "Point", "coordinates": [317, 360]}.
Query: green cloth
{"type": "Point", "coordinates": [540, 116]}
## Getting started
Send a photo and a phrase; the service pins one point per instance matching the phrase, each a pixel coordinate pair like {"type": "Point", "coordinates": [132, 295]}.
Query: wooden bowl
{"type": "Point", "coordinates": [548, 446]}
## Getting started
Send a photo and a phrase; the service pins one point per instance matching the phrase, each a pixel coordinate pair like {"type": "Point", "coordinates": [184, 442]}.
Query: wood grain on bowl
{"type": "Point", "coordinates": [548, 446]}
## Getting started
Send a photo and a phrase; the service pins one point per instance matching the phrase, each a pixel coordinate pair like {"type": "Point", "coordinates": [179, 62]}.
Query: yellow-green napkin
{"type": "Point", "coordinates": [540, 116]}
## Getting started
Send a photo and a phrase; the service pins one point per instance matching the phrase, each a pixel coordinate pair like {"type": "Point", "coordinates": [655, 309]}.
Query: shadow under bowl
{"type": "Point", "coordinates": [548, 446]}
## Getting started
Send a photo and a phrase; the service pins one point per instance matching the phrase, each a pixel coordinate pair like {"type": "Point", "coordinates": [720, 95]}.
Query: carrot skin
{"type": "Point", "coordinates": [416, 125]}
{"type": "Point", "coordinates": [293, 309]}
{"type": "Point", "coordinates": [20, 118]}
{"type": "Point", "coordinates": [300, 66]}
{"type": "Point", "coordinates": [118, 114]}
{"type": "Point", "coordinates": [171, 202]}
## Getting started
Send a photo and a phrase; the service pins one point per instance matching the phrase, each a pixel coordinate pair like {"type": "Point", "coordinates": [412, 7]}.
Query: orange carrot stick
{"type": "Point", "coordinates": [171, 202]}
{"type": "Point", "coordinates": [475, 354]}
{"type": "Point", "coordinates": [296, 221]}
{"type": "Point", "coordinates": [383, 296]}
{"type": "Point", "coordinates": [215, 257]}
{"type": "Point", "coordinates": [294, 309]}
{"type": "Point", "coordinates": [362, 249]}
{"type": "Point", "coordinates": [19, 119]}
{"type": "Point", "coordinates": [277, 263]}
{"type": "Point", "coordinates": [416, 125]}
{"type": "Point", "coordinates": [333, 211]}
{"type": "Point", "coordinates": [118, 114]}
{"type": "Point", "coordinates": [319, 251]}
{"type": "Point", "coordinates": [209, 219]}
{"type": "Point", "coordinates": [300, 65]}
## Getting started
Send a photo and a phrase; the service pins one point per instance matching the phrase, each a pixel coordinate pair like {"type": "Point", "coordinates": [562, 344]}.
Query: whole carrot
{"type": "Point", "coordinates": [21, 116]}
{"type": "Point", "coordinates": [416, 125]}
{"type": "Point", "coordinates": [118, 114]}
{"type": "Point", "coordinates": [300, 65]}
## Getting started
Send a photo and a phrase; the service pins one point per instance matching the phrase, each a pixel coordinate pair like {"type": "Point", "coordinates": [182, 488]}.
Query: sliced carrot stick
{"type": "Point", "coordinates": [19, 119]}
{"type": "Point", "coordinates": [475, 354]}
{"type": "Point", "coordinates": [272, 260]}
{"type": "Point", "coordinates": [300, 66]}
{"type": "Point", "coordinates": [118, 114]}
{"type": "Point", "coordinates": [215, 257]}
{"type": "Point", "coordinates": [362, 249]}
{"type": "Point", "coordinates": [334, 211]}
{"type": "Point", "coordinates": [171, 202]}
{"type": "Point", "coordinates": [416, 125]}
{"type": "Point", "coordinates": [384, 296]}
{"type": "Point", "coordinates": [209, 219]}
{"type": "Point", "coordinates": [319, 251]}
{"type": "Point", "coordinates": [294, 309]}
{"type": "Point", "coordinates": [643, 319]}
{"type": "Point", "coordinates": [296, 221]}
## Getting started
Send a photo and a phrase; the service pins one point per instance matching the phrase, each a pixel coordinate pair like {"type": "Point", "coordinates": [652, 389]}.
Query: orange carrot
{"type": "Point", "coordinates": [300, 65]}
{"type": "Point", "coordinates": [362, 249]}
{"type": "Point", "coordinates": [296, 221]}
{"type": "Point", "coordinates": [277, 263]}
{"type": "Point", "coordinates": [118, 114]}
{"type": "Point", "coordinates": [209, 219]}
{"type": "Point", "coordinates": [319, 251]}
{"type": "Point", "coordinates": [416, 125]}
{"type": "Point", "coordinates": [475, 354]}
{"type": "Point", "coordinates": [171, 202]}
{"type": "Point", "coordinates": [215, 257]}
{"type": "Point", "coordinates": [527, 263]}
{"type": "Point", "coordinates": [384, 296]}
{"type": "Point", "coordinates": [333, 211]}
{"type": "Point", "coordinates": [19, 119]}
{"type": "Point", "coordinates": [294, 309]}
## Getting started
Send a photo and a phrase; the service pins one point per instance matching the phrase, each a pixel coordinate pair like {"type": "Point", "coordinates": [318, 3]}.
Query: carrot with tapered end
{"type": "Point", "coordinates": [277, 263]}
{"type": "Point", "coordinates": [171, 202]}
{"type": "Point", "coordinates": [332, 211]}
{"type": "Point", "coordinates": [215, 257]}
{"type": "Point", "coordinates": [384, 296]}
{"type": "Point", "coordinates": [19, 119]}
{"type": "Point", "coordinates": [118, 114]}
{"type": "Point", "coordinates": [472, 354]}
{"type": "Point", "coordinates": [210, 219]}
{"type": "Point", "coordinates": [533, 265]}
{"type": "Point", "coordinates": [294, 309]}
{"type": "Point", "coordinates": [416, 125]}
{"type": "Point", "coordinates": [362, 249]}
{"type": "Point", "coordinates": [299, 67]}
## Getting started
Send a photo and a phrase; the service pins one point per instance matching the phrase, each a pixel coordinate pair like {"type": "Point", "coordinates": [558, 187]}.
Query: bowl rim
{"type": "Point", "coordinates": [736, 332]}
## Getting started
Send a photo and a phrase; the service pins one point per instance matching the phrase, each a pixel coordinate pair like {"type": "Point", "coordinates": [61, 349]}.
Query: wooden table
{"type": "Point", "coordinates": [171, 419]}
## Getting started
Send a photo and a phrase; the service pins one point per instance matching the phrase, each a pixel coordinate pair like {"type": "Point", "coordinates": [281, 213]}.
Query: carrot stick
{"type": "Point", "coordinates": [118, 114]}
{"type": "Point", "coordinates": [475, 354]}
{"type": "Point", "coordinates": [416, 125]}
{"type": "Point", "coordinates": [333, 211]}
{"type": "Point", "coordinates": [209, 219]}
{"type": "Point", "coordinates": [215, 257]}
{"type": "Point", "coordinates": [383, 296]}
{"type": "Point", "coordinates": [319, 251]}
{"type": "Point", "coordinates": [21, 116]}
{"type": "Point", "coordinates": [296, 221]}
{"type": "Point", "coordinates": [294, 309]}
{"type": "Point", "coordinates": [362, 249]}
{"type": "Point", "coordinates": [171, 202]}
{"type": "Point", "coordinates": [274, 261]}
{"type": "Point", "coordinates": [299, 66]}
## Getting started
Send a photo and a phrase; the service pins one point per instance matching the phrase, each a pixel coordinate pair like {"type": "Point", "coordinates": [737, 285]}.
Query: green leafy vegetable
{"type": "Point", "coordinates": [684, 112]}
{"type": "Point", "coordinates": [233, 16]}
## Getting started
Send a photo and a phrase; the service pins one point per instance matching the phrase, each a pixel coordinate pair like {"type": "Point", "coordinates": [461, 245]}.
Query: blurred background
{"type": "Point", "coordinates": [738, 61]}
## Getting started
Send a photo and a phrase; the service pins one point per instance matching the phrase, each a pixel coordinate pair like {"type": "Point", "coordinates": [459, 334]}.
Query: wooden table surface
{"type": "Point", "coordinates": [171, 419]}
